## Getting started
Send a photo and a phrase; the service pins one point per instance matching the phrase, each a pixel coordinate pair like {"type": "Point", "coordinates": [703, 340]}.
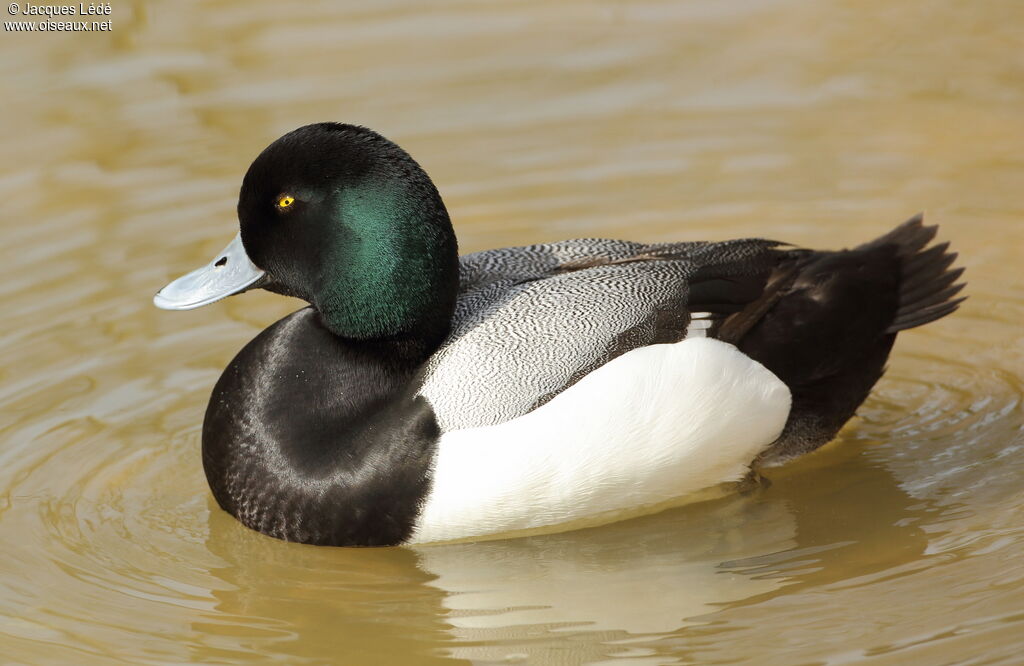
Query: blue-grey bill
{"type": "Point", "coordinates": [230, 272]}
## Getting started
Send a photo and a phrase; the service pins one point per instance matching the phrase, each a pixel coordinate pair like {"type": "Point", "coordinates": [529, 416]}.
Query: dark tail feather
{"type": "Point", "coordinates": [827, 328]}
{"type": "Point", "coordinates": [927, 285]}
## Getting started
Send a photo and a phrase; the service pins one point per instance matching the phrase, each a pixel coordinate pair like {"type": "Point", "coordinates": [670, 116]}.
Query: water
{"type": "Point", "coordinates": [820, 123]}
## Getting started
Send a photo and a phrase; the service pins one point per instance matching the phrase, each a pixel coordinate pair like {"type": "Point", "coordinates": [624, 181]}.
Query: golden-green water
{"type": "Point", "coordinates": [818, 122]}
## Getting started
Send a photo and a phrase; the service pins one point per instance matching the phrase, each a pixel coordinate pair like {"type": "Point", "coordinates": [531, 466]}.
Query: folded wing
{"type": "Point", "coordinates": [531, 321]}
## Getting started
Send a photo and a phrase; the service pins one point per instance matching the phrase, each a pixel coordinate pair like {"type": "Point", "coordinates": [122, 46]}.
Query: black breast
{"type": "Point", "coordinates": [320, 440]}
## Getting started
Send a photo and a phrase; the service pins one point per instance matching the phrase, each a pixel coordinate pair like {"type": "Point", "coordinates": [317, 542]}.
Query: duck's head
{"type": "Point", "coordinates": [341, 217]}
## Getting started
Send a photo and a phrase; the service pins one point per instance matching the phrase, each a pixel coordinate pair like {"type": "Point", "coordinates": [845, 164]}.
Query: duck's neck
{"type": "Point", "coordinates": [394, 278]}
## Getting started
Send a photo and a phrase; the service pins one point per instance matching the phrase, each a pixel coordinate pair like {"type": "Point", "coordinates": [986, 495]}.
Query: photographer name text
{"type": "Point", "coordinates": [53, 11]}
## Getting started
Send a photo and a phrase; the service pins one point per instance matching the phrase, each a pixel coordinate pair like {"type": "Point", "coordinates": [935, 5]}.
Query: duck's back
{"type": "Point", "coordinates": [532, 321]}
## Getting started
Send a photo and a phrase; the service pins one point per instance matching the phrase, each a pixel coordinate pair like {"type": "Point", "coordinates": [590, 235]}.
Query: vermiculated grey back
{"type": "Point", "coordinates": [531, 321]}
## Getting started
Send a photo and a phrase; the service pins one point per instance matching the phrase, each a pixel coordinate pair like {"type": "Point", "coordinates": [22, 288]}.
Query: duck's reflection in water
{"type": "Point", "coordinates": [292, 603]}
{"type": "Point", "coordinates": [528, 596]}
{"type": "Point", "coordinates": [641, 576]}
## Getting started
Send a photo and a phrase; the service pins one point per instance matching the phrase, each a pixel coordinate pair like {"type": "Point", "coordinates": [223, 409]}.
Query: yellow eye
{"type": "Point", "coordinates": [285, 201]}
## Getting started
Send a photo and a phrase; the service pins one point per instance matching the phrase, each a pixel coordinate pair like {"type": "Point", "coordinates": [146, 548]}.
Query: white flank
{"type": "Point", "coordinates": [652, 425]}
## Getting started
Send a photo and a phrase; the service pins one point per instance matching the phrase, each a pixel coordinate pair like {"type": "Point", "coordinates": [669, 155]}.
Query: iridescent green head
{"type": "Point", "coordinates": [343, 218]}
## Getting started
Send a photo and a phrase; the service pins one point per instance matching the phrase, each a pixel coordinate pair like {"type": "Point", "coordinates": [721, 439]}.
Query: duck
{"type": "Point", "coordinates": [423, 396]}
